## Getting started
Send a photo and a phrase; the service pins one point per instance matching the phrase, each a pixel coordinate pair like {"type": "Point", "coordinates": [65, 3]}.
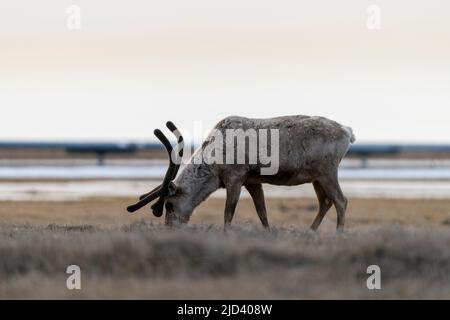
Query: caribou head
{"type": "Point", "coordinates": [167, 188]}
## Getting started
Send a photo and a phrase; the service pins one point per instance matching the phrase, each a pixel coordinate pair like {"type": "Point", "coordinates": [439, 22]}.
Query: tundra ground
{"type": "Point", "coordinates": [124, 256]}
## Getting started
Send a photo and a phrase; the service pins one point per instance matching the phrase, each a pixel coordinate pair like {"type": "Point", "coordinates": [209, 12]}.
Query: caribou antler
{"type": "Point", "coordinates": [162, 190]}
{"type": "Point", "coordinates": [180, 139]}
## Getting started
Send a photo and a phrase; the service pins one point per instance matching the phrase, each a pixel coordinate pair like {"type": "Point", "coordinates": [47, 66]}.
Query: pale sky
{"type": "Point", "coordinates": [134, 65]}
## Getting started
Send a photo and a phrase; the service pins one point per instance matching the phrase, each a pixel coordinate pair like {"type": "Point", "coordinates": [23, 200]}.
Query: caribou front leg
{"type": "Point", "coordinates": [233, 194]}
{"type": "Point", "coordinates": [257, 194]}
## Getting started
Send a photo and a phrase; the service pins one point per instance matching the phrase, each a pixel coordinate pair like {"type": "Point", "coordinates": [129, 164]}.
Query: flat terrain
{"type": "Point", "coordinates": [134, 256]}
{"type": "Point", "coordinates": [299, 212]}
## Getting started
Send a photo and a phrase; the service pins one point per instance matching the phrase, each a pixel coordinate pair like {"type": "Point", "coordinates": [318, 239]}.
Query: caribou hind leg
{"type": "Point", "coordinates": [257, 194]}
{"type": "Point", "coordinates": [332, 189]}
{"type": "Point", "coordinates": [325, 204]}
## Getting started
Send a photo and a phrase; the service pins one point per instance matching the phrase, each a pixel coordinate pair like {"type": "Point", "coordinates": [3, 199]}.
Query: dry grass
{"type": "Point", "coordinates": [145, 260]}
{"type": "Point", "coordinates": [281, 212]}
{"type": "Point", "coordinates": [123, 256]}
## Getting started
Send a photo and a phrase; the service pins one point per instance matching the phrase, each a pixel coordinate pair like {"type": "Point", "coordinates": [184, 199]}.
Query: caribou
{"type": "Point", "coordinates": [310, 149]}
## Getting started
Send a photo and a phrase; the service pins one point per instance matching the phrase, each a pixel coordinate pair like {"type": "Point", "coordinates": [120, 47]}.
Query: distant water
{"type": "Point", "coordinates": [158, 171]}
{"type": "Point", "coordinates": [79, 182]}
{"type": "Point", "coordinates": [82, 189]}
{"type": "Point", "coordinates": [381, 179]}
{"type": "Point", "coordinates": [82, 172]}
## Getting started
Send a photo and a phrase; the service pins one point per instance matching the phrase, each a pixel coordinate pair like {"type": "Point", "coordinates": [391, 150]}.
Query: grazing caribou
{"type": "Point", "coordinates": [310, 151]}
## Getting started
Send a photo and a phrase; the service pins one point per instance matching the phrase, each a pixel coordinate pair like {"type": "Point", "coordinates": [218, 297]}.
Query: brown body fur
{"type": "Point", "coordinates": [311, 149]}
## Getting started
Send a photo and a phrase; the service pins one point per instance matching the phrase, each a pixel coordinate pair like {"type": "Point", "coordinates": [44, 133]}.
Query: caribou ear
{"type": "Point", "coordinates": [173, 189]}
